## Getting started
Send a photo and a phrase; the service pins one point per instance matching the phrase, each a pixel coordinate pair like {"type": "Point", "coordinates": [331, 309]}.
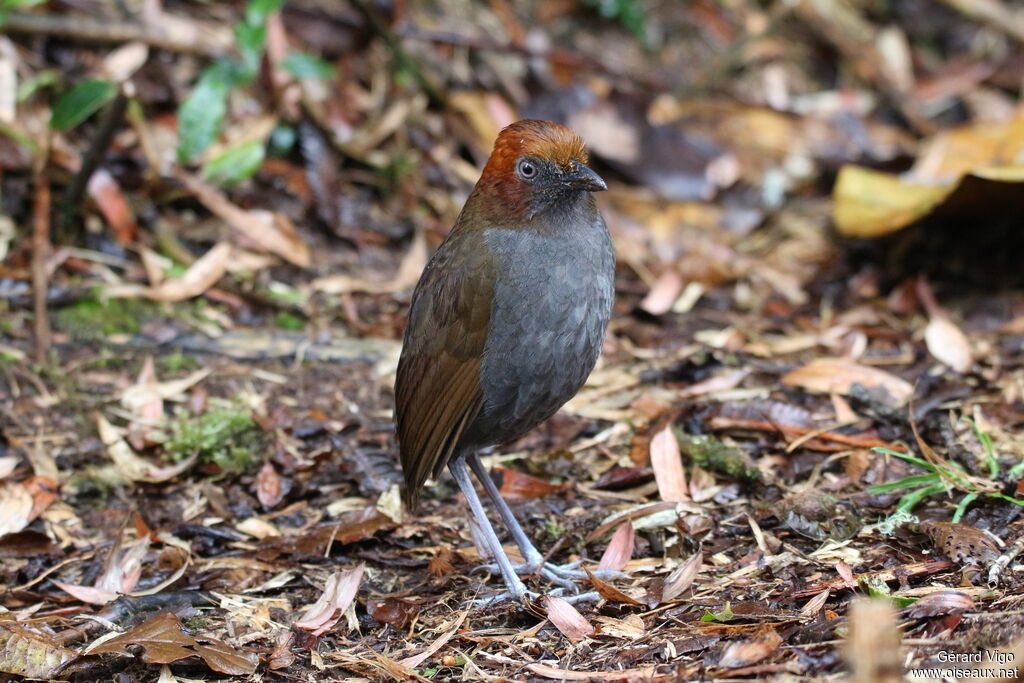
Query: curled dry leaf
{"type": "Point", "coordinates": [108, 196]}
{"type": "Point", "coordinates": [630, 627]}
{"type": "Point", "coordinates": [610, 592]}
{"type": "Point", "coordinates": [749, 652]}
{"type": "Point", "coordinates": [948, 344]}
{"type": "Point", "coordinates": [663, 294]}
{"type": "Point", "coordinates": [566, 619]}
{"type": "Point", "coordinates": [131, 466]}
{"type": "Point", "coordinates": [682, 577]}
{"type": "Point", "coordinates": [838, 375]}
{"type": "Point", "coordinates": [620, 548]}
{"type": "Point", "coordinates": [199, 277]}
{"type": "Point", "coordinates": [940, 604]}
{"type": "Point", "coordinates": [667, 463]}
{"type": "Point", "coordinates": [815, 604]}
{"type": "Point", "coordinates": [269, 486]}
{"type": "Point", "coordinates": [338, 594]}
{"type": "Point", "coordinates": [272, 232]}
{"type": "Point", "coordinates": [88, 594]}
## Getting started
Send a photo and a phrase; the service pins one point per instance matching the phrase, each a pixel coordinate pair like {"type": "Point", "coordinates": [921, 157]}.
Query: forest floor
{"type": "Point", "coordinates": [801, 448]}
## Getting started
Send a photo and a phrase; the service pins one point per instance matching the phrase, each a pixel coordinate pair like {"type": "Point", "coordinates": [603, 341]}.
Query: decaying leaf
{"type": "Point", "coordinates": [838, 375]}
{"type": "Point", "coordinates": [164, 641]}
{"type": "Point", "coordinates": [516, 485]}
{"type": "Point", "coordinates": [338, 594]}
{"type": "Point", "coordinates": [567, 619]}
{"type": "Point", "coordinates": [747, 652]}
{"type": "Point", "coordinates": [131, 466]}
{"type": "Point", "coordinates": [30, 653]}
{"type": "Point", "coordinates": [620, 548]}
{"type": "Point", "coordinates": [682, 577]}
{"type": "Point", "coordinates": [667, 463]}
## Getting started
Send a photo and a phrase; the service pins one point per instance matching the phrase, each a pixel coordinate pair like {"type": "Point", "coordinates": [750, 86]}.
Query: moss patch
{"type": "Point", "coordinates": [95, 319]}
{"type": "Point", "coordinates": [225, 435]}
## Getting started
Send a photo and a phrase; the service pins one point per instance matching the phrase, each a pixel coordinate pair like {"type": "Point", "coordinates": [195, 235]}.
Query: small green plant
{"type": "Point", "coordinates": [946, 476]}
{"type": "Point", "coordinates": [226, 435]}
{"type": "Point", "coordinates": [94, 319]}
{"type": "Point", "coordinates": [628, 13]}
{"type": "Point", "coordinates": [554, 529]}
{"type": "Point", "coordinates": [201, 115]}
{"type": "Point", "coordinates": [176, 362]}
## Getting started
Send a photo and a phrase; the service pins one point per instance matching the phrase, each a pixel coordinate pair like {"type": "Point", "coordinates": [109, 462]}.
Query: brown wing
{"type": "Point", "coordinates": [437, 389]}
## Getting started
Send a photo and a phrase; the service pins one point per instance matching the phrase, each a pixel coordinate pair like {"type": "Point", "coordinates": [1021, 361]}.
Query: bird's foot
{"type": "Point", "coordinates": [579, 598]}
{"type": "Point", "coordinates": [564, 576]}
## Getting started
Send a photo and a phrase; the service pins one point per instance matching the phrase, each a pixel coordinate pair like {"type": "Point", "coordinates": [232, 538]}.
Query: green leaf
{"type": "Point", "coordinates": [18, 4]}
{"type": "Point", "coordinates": [43, 79]}
{"type": "Point", "coordinates": [81, 102]}
{"type": "Point", "coordinates": [725, 615]}
{"type": "Point", "coordinates": [251, 39]}
{"type": "Point", "coordinates": [962, 507]}
{"type": "Point", "coordinates": [900, 601]}
{"type": "Point", "coordinates": [905, 483]}
{"type": "Point", "coordinates": [236, 163]}
{"type": "Point", "coordinates": [909, 458]}
{"type": "Point", "coordinates": [307, 67]}
{"type": "Point", "coordinates": [910, 500]}
{"type": "Point", "coordinates": [986, 443]}
{"type": "Point", "coordinates": [257, 11]}
{"type": "Point", "coordinates": [201, 114]}
{"type": "Point", "coordinates": [875, 586]}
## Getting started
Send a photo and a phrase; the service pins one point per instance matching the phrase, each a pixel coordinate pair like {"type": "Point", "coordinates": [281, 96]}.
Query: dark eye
{"type": "Point", "coordinates": [527, 170]}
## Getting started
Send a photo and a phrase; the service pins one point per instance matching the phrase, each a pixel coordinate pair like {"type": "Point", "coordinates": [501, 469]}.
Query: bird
{"type": "Point", "coordinates": [507, 321]}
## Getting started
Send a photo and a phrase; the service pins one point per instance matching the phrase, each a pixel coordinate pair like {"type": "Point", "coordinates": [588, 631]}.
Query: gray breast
{"type": "Point", "coordinates": [552, 303]}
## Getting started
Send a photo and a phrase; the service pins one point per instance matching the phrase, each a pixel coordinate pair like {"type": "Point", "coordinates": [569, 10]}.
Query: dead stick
{"type": "Point", "coordinates": [721, 423]}
{"type": "Point", "coordinates": [177, 35]}
{"type": "Point", "coordinates": [41, 248]}
{"type": "Point", "coordinates": [112, 118]}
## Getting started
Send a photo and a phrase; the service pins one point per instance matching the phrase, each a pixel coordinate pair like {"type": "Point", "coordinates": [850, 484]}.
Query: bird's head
{"type": "Point", "coordinates": [537, 166]}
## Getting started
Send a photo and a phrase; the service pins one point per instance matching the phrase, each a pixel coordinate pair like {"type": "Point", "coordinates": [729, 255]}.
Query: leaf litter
{"type": "Point", "coordinates": [201, 475]}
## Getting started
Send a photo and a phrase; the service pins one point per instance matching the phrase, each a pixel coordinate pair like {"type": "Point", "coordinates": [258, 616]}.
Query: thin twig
{"type": "Point", "coordinates": [41, 248]}
{"type": "Point", "coordinates": [111, 120]}
{"type": "Point", "coordinates": [175, 33]}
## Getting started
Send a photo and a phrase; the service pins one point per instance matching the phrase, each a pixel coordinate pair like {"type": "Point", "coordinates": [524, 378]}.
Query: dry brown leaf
{"type": "Point", "coordinates": [663, 293]}
{"type": "Point", "coordinates": [29, 653]}
{"type": "Point", "coordinates": [131, 466]}
{"type": "Point", "coordinates": [667, 463]}
{"type": "Point", "coordinates": [620, 548]}
{"type": "Point", "coordinates": [516, 485]}
{"type": "Point", "coordinates": [269, 486]}
{"type": "Point", "coordinates": [272, 232]}
{"type": "Point", "coordinates": [108, 196]}
{"type": "Point", "coordinates": [815, 604]}
{"type": "Point", "coordinates": [88, 594]}
{"type": "Point", "coordinates": [570, 675]}
{"type": "Point", "coordinates": [338, 594]}
{"type": "Point", "coordinates": [838, 375]}
{"type": "Point", "coordinates": [610, 592]}
{"type": "Point", "coordinates": [566, 619]}
{"type": "Point", "coordinates": [682, 577]}
{"type": "Point", "coordinates": [15, 507]}
{"type": "Point", "coordinates": [406, 277]}
{"type": "Point", "coordinates": [199, 277]}
{"type": "Point", "coordinates": [749, 652]}
{"type": "Point", "coordinates": [631, 626]}
{"type": "Point", "coordinates": [417, 659]}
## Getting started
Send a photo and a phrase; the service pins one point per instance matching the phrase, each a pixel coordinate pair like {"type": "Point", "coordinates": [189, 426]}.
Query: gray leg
{"type": "Point", "coordinates": [530, 552]}
{"type": "Point", "coordinates": [479, 518]}
{"type": "Point", "coordinates": [559, 575]}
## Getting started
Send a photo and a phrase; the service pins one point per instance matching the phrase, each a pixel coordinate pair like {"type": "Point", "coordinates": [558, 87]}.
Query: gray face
{"type": "Point", "coordinates": [553, 185]}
